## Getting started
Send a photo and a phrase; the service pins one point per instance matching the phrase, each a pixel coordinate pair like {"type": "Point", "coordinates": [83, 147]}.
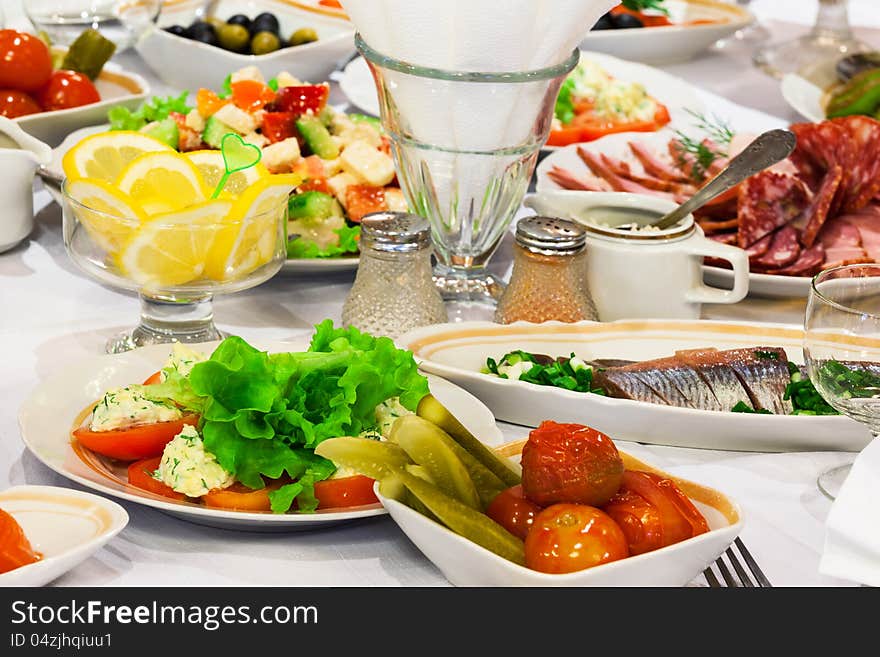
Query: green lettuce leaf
{"type": "Point", "coordinates": [348, 244]}
{"type": "Point", "coordinates": [263, 414]}
{"type": "Point", "coordinates": [156, 109]}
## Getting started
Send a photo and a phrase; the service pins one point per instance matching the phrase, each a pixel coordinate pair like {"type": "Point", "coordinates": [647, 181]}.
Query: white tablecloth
{"type": "Point", "coordinates": [52, 315]}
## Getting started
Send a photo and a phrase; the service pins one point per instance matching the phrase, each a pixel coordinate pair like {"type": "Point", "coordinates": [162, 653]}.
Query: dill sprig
{"type": "Point", "coordinates": [642, 5]}
{"type": "Point", "coordinates": [719, 134]}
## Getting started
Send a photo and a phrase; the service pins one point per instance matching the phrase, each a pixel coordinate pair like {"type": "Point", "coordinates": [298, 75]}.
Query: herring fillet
{"type": "Point", "coordinates": [720, 377]}
{"type": "Point", "coordinates": [669, 380]}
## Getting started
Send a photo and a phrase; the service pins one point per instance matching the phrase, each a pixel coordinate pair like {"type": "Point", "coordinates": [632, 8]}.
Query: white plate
{"type": "Point", "coordinates": [457, 352]}
{"type": "Point", "coordinates": [464, 563]}
{"type": "Point", "coordinates": [290, 266]}
{"type": "Point", "coordinates": [188, 64]}
{"type": "Point", "coordinates": [674, 43]}
{"type": "Point", "coordinates": [116, 86]}
{"type": "Point", "coordinates": [65, 526]}
{"type": "Point", "coordinates": [804, 97]}
{"type": "Point", "coordinates": [356, 82]}
{"type": "Point", "coordinates": [761, 285]}
{"type": "Point", "coordinates": [46, 416]}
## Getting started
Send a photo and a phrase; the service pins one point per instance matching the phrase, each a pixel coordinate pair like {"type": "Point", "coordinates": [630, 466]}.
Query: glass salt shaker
{"type": "Point", "coordinates": [393, 291]}
{"type": "Point", "coordinates": [549, 278]}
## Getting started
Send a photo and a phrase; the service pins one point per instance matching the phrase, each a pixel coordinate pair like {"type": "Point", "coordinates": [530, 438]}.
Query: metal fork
{"type": "Point", "coordinates": [739, 577]}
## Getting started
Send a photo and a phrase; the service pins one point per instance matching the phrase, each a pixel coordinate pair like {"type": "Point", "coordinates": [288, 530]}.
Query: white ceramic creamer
{"type": "Point", "coordinates": [645, 273]}
{"type": "Point", "coordinates": [20, 156]}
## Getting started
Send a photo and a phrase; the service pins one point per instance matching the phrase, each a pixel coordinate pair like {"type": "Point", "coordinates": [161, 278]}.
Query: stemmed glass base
{"type": "Point", "coordinates": [165, 321]}
{"type": "Point", "coordinates": [831, 481]}
{"type": "Point", "coordinates": [750, 35]}
{"type": "Point", "coordinates": [469, 294]}
{"type": "Point", "coordinates": [812, 51]}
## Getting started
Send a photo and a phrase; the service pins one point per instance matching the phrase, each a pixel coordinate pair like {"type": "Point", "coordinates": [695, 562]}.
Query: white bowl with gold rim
{"type": "Point", "coordinates": [65, 526]}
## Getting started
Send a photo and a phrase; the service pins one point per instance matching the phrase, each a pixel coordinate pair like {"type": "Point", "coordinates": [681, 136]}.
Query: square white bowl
{"type": "Point", "coordinates": [186, 64]}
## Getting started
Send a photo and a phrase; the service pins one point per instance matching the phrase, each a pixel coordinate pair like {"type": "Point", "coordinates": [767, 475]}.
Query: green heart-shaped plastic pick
{"type": "Point", "coordinates": [238, 155]}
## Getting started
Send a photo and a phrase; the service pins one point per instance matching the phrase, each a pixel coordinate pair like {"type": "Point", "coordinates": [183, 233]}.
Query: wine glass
{"type": "Point", "coordinates": [176, 262]}
{"type": "Point", "coordinates": [813, 54]}
{"type": "Point", "coordinates": [753, 33]}
{"type": "Point", "coordinates": [121, 21]}
{"type": "Point", "coordinates": [465, 145]}
{"type": "Point", "coordinates": [842, 349]}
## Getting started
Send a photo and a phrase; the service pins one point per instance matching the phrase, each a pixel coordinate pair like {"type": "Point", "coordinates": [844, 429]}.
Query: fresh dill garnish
{"type": "Point", "coordinates": [703, 151]}
{"type": "Point", "coordinates": [642, 5]}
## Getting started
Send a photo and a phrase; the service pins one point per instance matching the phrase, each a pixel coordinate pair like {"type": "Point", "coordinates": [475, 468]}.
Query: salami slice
{"type": "Point", "coordinates": [817, 212]}
{"type": "Point", "coordinates": [864, 175]}
{"type": "Point", "coordinates": [784, 249]}
{"type": "Point", "coordinates": [810, 262]}
{"type": "Point", "coordinates": [767, 201]}
{"type": "Point", "coordinates": [760, 247]}
{"type": "Point", "coordinates": [724, 238]}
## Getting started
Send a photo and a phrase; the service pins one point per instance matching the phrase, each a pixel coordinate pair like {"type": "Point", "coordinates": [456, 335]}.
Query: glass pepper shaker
{"type": "Point", "coordinates": [393, 291]}
{"type": "Point", "coordinates": [549, 277]}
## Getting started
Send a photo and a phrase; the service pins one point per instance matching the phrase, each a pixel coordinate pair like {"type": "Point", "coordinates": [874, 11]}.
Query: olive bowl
{"type": "Point", "coordinates": [184, 63]}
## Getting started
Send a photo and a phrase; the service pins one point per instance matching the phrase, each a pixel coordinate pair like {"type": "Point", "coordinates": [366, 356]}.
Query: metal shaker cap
{"type": "Point", "coordinates": [550, 235]}
{"type": "Point", "coordinates": [400, 232]}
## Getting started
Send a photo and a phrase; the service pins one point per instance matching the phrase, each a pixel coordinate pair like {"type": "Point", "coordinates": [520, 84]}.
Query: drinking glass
{"type": "Point", "coordinates": [183, 262]}
{"type": "Point", "coordinates": [465, 145]}
{"type": "Point", "coordinates": [754, 33]}
{"type": "Point", "coordinates": [842, 349]}
{"type": "Point", "coordinates": [121, 21]}
{"type": "Point", "coordinates": [830, 38]}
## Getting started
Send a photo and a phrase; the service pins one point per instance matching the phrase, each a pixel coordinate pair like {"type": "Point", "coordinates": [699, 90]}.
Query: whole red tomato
{"type": "Point", "coordinates": [570, 463]}
{"type": "Point", "coordinates": [67, 89]}
{"type": "Point", "coordinates": [565, 538]}
{"type": "Point", "coordinates": [653, 512]}
{"type": "Point", "coordinates": [25, 62]}
{"type": "Point", "coordinates": [16, 103]}
{"type": "Point", "coordinates": [513, 511]}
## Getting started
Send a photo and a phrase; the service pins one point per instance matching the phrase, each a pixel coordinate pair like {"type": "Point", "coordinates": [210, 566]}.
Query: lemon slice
{"type": "Point", "coordinates": [104, 155]}
{"type": "Point", "coordinates": [210, 164]}
{"type": "Point", "coordinates": [108, 215]}
{"type": "Point", "coordinates": [163, 182]}
{"type": "Point", "coordinates": [259, 221]}
{"type": "Point", "coordinates": [172, 249]}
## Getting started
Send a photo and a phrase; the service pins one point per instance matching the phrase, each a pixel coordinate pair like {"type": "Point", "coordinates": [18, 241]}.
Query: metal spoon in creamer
{"type": "Point", "coordinates": [765, 151]}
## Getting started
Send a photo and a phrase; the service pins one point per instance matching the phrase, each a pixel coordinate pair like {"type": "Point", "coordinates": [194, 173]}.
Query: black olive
{"type": "Point", "coordinates": [177, 30]}
{"type": "Point", "coordinates": [604, 23]}
{"type": "Point", "coordinates": [204, 32]}
{"type": "Point", "coordinates": [626, 21]}
{"type": "Point", "coordinates": [240, 19]}
{"type": "Point", "coordinates": [265, 22]}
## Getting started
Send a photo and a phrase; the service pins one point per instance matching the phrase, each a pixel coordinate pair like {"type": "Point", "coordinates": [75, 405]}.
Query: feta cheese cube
{"type": "Point", "coordinates": [281, 156]}
{"type": "Point", "coordinates": [332, 167]}
{"type": "Point", "coordinates": [285, 79]}
{"type": "Point", "coordinates": [339, 183]}
{"type": "Point", "coordinates": [362, 131]}
{"type": "Point", "coordinates": [236, 118]}
{"type": "Point", "coordinates": [248, 73]}
{"type": "Point", "coordinates": [195, 121]}
{"type": "Point", "coordinates": [367, 163]}
{"type": "Point", "coordinates": [395, 200]}
{"type": "Point", "coordinates": [256, 139]}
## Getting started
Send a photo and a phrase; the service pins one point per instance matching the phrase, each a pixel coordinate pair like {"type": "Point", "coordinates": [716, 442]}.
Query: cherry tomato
{"type": "Point", "coordinates": [302, 98]}
{"type": "Point", "coordinates": [132, 443]}
{"type": "Point", "coordinates": [278, 126]}
{"type": "Point", "coordinates": [315, 185]}
{"type": "Point", "coordinates": [565, 538]}
{"type": "Point", "coordinates": [570, 463]}
{"type": "Point", "coordinates": [356, 490]}
{"type": "Point", "coordinates": [67, 89]}
{"type": "Point", "coordinates": [17, 103]}
{"type": "Point", "coordinates": [513, 511]}
{"type": "Point", "coordinates": [653, 512]}
{"type": "Point", "coordinates": [25, 62]}
{"type": "Point", "coordinates": [361, 200]}
{"type": "Point", "coordinates": [15, 548]}
{"type": "Point", "coordinates": [140, 475]}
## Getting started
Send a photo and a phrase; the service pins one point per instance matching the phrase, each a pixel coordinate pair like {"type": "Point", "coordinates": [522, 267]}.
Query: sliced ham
{"type": "Point", "coordinates": [655, 165]}
{"type": "Point", "coordinates": [617, 183]}
{"type": "Point", "coordinates": [867, 222]}
{"type": "Point", "coordinates": [624, 170]}
{"type": "Point", "coordinates": [783, 250]}
{"type": "Point", "coordinates": [568, 180]}
{"type": "Point", "coordinates": [767, 201]}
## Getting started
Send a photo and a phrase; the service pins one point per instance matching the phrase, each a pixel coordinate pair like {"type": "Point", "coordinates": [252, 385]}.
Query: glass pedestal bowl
{"type": "Point", "coordinates": [176, 262]}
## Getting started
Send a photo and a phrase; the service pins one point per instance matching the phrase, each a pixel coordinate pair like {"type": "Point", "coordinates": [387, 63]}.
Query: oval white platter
{"type": "Point", "coordinates": [458, 352]}
{"type": "Point", "coordinates": [45, 421]}
{"type": "Point", "coordinates": [672, 43]}
{"type": "Point", "coordinates": [65, 526]}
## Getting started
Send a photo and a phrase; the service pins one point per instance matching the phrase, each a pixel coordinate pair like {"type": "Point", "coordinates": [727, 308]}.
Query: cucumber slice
{"type": "Point", "coordinates": [317, 137]}
{"type": "Point", "coordinates": [214, 132]}
{"type": "Point", "coordinates": [431, 448]}
{"type": "Point", "coordinates": [463, 520]}
{"type": "Point", "coordinates": [433, 411]}
{"type": "Point", "coordinates": [165, 131]}
{"type": "Point", "coordinates": [313, 205]}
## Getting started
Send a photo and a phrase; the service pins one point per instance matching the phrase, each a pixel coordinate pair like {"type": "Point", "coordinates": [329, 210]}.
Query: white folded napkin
{"type": "Point", "coordinates": [852, 533]}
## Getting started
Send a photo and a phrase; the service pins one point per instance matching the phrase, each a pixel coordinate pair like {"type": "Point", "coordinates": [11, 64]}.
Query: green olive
{"type": "Point", "coordinates": [264, 42]}
{"type": "Point", "coordinates": [233, 37]}
{"type": "Point", "coordinates": [216, 22]}
{"type": "Point", "coordinates": [303, 35]}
